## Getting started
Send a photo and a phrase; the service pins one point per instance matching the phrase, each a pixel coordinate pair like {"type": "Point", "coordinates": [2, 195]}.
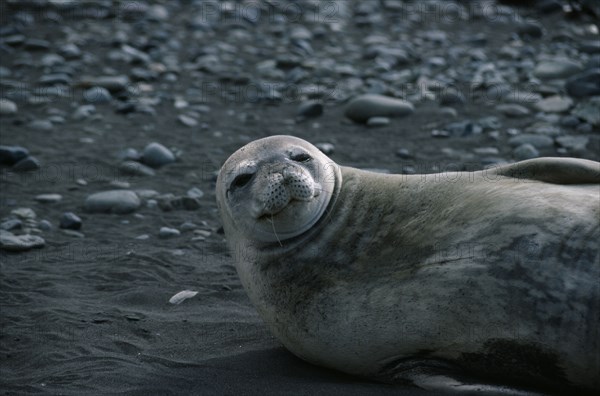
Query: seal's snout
{"type": "Point", "coordinates": [283, 186]}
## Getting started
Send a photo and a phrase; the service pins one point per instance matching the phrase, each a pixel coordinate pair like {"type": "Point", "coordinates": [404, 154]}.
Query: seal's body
{"type": "Point", "coordinates": [494, 272]}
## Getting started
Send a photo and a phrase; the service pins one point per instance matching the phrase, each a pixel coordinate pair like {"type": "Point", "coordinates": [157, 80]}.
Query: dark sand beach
{"type": "Point", "coordinates": [89, 312]}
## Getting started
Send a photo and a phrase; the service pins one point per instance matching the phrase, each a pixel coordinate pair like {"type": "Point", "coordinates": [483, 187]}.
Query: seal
{"type": "Point", "coordinates": [494, 273]}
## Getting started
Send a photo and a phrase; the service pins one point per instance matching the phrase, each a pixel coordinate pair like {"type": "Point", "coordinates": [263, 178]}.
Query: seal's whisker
{"type": "Point", "coordinates": [275, 231]}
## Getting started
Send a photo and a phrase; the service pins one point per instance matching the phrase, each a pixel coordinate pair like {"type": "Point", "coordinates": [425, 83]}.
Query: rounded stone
{"type": "Point", "coordinates": [308, 109]}
{"type": "Point", "coordinates": [20, 243]}
{"type": "Point", "coordinates": [157, 155]}
{"type": "Point", "coordinates": [584, 84]}
{"type": "Point", "coordinates": [556, 68]}
{"type": "Point", "coordinates": [48, 198]}
{"type": "Point", "coordinates": [7, 107]}
{"type": "Point", "coordinates": [10, 155]}
{"type": "Point", "coordinates": [554, 104]}
{"type": "Point", "coordinates": [27, 164]}
{"type": "Point", "coordinates": [112, 201]}
{"type": "Point", "coordinates": [538, 141]}
{"type": "Point", "coordinates": [366, 106]}
{"type": "Point", "coordinates": [166, 232]}
{"type": "Point", "coordinates": [513, 110]}
{"type": "Point", "coordinates": [97, 95]}
{"type": "Point", "coordinates": [70, 221]}
{"type": "Point", "coordinates": [525, 151]}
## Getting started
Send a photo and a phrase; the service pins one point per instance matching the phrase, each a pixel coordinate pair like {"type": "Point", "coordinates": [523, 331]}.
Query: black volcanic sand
{"type": "Point", "coordinates": [89, 313]}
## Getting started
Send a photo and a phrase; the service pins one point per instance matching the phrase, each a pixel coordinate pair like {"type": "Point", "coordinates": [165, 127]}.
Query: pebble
{"type": "Point", "coordinates": [41, 125]}
{"type": "Point", "coordinates": [584, 84]}
{"type": "Point", "coordinates": [27, 164]}
{"type": "Point", "coordinates": [166, 232]}
{"type": "Point", "coordinates": [309, 109]}
{"type": "Point", "coordinates": [7, 107]}
{"type": "Point", "coordinates": [97, 95]}
{"type": "Point", "coordinates": [195, 192]}
{"type": "Point", "coordinates": [48, 198]}
{"type": "Point", "coordinates": [133, 168]}
{"type": "Point", "coordinates": [202, 233]}
{"type": "Point", "coordinates": [10, 155]}
{"type": "Point", "coordinates": [20, 243]}
{"type": "Point", "coordinates": [574, 144]}
{"type": "Point", "coordinates": [73, 233]}
{"type": "Point", "coordinates": [556, 68]}
{"type": "Point", "coordinates": [588, 111]}
{"type": "Point", "coordinates": [84, 111]}
{"type": "Point", "coordinates": [326, 148]}
{"type": "Point", "coordinates": [525, 151]}
{"type": "Point", "coordinates": [376, 122]}
{"type": "Point", "coordinates": [537, 141]}
{"type": "Point", "coordinates": [187, 120]}
{"type": "Point", "coordinates": [530, 29]}
{"type": "Point", "coordinates": [157, 155]}
{"type": "Point", "coordinates": [11, 224]}
{"type": "Point", "coordinates": [366, 106]}
{"type": "Point", "coordinates": [45, 225]}
{"type": "Point", "coordinates": [112, 201]}
{"type": "Point", "coordinates": [70, 221]}
{"type": "Point", "coordinates": [452, 97]}
{"type": "Point", "coordinates": [112, 83]}
{"type": "Point", "coordinates": [404, 153]}
{"type": "Point", "coordinates": [554, 104]}
{"type": "Point", "coordinates": [513, 110]}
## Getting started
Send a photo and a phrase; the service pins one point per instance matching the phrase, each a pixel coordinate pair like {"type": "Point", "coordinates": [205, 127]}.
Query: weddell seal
{"type": "Point", "coordinates": [399, 278]}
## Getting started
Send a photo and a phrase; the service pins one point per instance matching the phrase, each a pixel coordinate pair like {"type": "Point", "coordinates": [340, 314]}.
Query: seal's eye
{"type": "Point", "coordinates": [241, 180]}
{"type": "Point", "coordinates": [300, 157]}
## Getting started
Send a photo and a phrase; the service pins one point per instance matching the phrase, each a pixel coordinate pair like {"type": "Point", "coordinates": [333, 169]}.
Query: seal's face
{"type": "Point", "coordinates": [275, 188]}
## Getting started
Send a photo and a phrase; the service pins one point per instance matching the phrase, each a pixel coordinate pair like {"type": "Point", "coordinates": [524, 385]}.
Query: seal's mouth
{"type": "Point", "coordinates": [264, 214]}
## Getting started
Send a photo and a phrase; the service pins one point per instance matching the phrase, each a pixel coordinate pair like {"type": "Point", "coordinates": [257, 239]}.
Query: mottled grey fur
{"type": "Point", "coordinates": [495, 272]}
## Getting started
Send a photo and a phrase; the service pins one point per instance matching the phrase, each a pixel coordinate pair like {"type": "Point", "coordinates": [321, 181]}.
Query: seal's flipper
{"type": "Point", "coordinates": [552, 170]}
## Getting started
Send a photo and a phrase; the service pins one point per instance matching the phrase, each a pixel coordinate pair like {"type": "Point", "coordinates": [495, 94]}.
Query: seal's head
{"type": "Point", "coordinates": [275, 188]}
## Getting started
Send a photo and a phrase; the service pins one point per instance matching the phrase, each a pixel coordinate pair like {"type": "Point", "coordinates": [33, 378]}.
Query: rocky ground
{"type": "Point", "coordinates": [116, 115]}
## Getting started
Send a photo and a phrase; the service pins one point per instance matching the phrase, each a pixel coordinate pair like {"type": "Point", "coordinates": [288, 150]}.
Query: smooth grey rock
{"type": "Point", "coordinates": [556, 68]}
{"type": "Point", "coordinates": [20, 243]}
{"type": "Point", "coordinates": [525, 151]}
{"type": "Point", "coordinates": [10, 155]}
{"type": "Point", "coordinates": [588, 111]}
{"type": "Point", "coordinates": [187, 120]}
{"type": "Point", "coordinates": [84, 111]}
{"type": "Point", "coordinates": [7, 107]}
{"type": "Point", "coordinates": [195, 192]}
{"type": "Point", "coordinates": [452, 97]}
{"type": "Point", "coordinates": [309, 109]}
{"type": "Point", "coordinates": [112, 201]}
{"type": "Point", "coordinates": [11, 224]}
{"type": "Point", "coordinates": [157, 155]}
{"type": "Point", "coordinates": [112, 83]}
{"type": "Point", "coordinates": [537, 141]}
{"type": "Point", "coordinates": [97, 95]}
{"type": "Point", "coordinates": [530, 29]}
{"type": "Point", "coordinates": [554, 104]}
{"type": "Point", "coordinates": [27, 164]}
{"type": "Point", "coordinates": [133, 168]}
{"type": "Point", "coordinates": [326, 148]}
{"type": "Point", "coordinates": [42, 125]}
{"type": "Point", "coordinates": [584, 84]}
{"type": "Point", "coordinates": [166, 232]}
{"type": "Point", "coordinates": [48, 198]}
{"type": "Point", "coordinates": [366, 106]}
{"type": "Point", "coordinates": [45, 225]}
{"type": "Point", "coordinates": [573, 143]}
{"type": "Point", "coordinates": [70, 221]}
{"type": "Point", "coordinates": [513, 110]}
